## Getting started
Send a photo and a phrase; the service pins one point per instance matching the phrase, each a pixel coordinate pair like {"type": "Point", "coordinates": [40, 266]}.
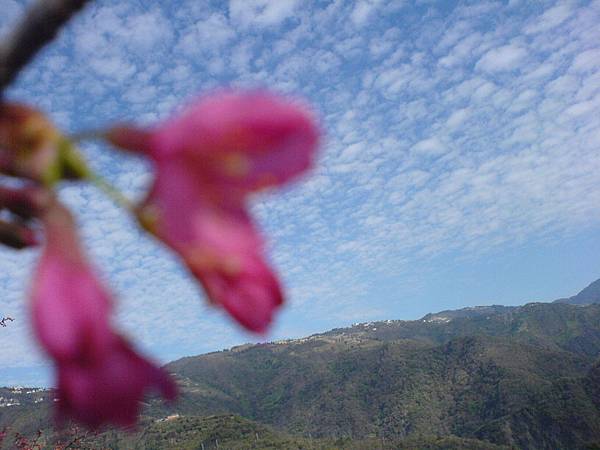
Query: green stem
{"type": "Point", "coordinates": [113, 193]}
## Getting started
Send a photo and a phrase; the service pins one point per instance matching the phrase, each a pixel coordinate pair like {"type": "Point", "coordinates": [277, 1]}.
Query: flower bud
{"type": "Point", "coordinates": [27, 202]}
{"type": "Point", "coordinates": [17, 235]}
{"type": "Point", "coordinates": [31, 147]}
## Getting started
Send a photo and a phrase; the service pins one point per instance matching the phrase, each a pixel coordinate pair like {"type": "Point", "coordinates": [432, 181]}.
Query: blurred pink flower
{"type": "Point", "coordinates": [101, 379]}
{"type": "Point", "coordinates": [109, 392]}
{"type": "Point", "coordinates": [207, 160]}
{"type": "Point", "coordinates": [70, 307]}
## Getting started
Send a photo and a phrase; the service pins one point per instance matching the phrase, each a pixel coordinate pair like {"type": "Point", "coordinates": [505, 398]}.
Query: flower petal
{"type": "Point", "coordinates": [250, 296]}
{"type": "Point", "coordinates": [111, 391]}
{"type": "Point", "coordinates": [70, 307]}
{"type": "Point", "coordinates": [100, 377]}
{"type": "Point", "coordinates": [247, 141]}
{"type": "Point", "coordinates": [217, 240]}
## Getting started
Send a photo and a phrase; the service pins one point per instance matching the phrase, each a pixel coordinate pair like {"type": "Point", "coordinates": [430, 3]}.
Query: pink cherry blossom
{"type": "Point", "coordinates": [207, 160]}
{"type": "Point", "coordinates": [110, 390]}
{"type": "Point", "coordinates": [100, 378]}
{"type": "Point", "coordinates": [70, 307]}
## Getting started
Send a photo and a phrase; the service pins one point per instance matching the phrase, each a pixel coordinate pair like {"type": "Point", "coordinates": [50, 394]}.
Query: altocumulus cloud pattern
{"type": "Point", "coordinates": [454, 131]}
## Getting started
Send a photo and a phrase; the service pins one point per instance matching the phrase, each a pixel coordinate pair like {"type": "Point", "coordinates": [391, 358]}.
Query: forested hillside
{"type": "Point", "coordinates": [526, 377]}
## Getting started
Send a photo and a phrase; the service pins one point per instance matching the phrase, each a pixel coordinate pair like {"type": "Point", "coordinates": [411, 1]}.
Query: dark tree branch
{"type": "Point", "coordinates": [38, 27]}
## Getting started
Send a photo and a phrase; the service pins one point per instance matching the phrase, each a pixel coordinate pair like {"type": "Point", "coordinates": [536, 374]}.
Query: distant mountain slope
{"type": "Point", "coordinates": [589, 295]}
{"type": "Point", "coordinates": [524, 376]}
{"type": "Point", "coordinates": [513, 377]}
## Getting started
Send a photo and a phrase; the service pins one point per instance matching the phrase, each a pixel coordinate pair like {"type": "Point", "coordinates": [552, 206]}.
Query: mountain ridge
{"type": "Point", "coordinates": [588, 295]}
{"type": "Point", "coordinates": [507, 376]}
{"type": "Point", "coordinates": [479, 372]}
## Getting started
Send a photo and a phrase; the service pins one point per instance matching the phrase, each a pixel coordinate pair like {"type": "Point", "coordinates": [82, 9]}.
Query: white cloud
{"type": "Point", "coordinates": [550, 18]}
{"type": "Point", "coordinates": [581, 108]}
{"type": "Point", "coordinates": [261, 12]}
{"type": "Point", "coordinates": [543, 70]}
{"type": "Point", "coordinates": [208, 34]}
{"type": "Point", "coordinates": [393, 81]}
{"type": "Point", "coordinates": [507, 57]}
{"type": "Point", "coordinates": [362, 11]}
{"type": "Point", "coordinates": [457, 118]}
{"type": "Point", "coordinates": [587, 61]}
{"type": "Point", "coordinates": [430, 147]}
{"type": "Point", "coordinates": [143, 32]}
{"type": "Point", "coordinates": [461, 51]}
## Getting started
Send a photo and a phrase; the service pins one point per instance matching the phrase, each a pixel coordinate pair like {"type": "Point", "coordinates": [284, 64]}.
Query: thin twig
{"type": "Point", "coordinates": [39, 26]}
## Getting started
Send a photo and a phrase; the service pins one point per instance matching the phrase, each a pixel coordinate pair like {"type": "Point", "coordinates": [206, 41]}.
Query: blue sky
{"type": "Point", "coordinates": [461, 164]}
